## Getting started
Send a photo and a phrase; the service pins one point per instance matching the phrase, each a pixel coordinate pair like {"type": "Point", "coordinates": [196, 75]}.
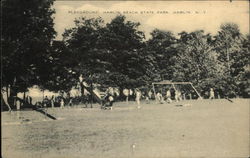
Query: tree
{"type": "Point", "coordinates": [196, 61]}
{"type": "Point", "coordinates": [243, 67]}
{"type": "Point", "coordinates": [161, 47]}
{"type": "Point", "coordinates": [124, 42]}
{"type": "Point", "coordinates": [61, 77]}
{"type": "Point", "coordinates": [84, 52]}
{"type": "Point", "coordinates": [233, 53]}
{"type": "Point", "coordinates": [106, 53]}
{"type": "Point", "coordinates": [26, 37]}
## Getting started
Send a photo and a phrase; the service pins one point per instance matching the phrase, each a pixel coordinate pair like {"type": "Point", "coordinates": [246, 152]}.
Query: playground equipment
{"type": "Point", "coordinates": [100, 97]}
{"type": "Point", "coordinates": [44, 112]}
{"type": "Point", "coordinates": [174, 85]}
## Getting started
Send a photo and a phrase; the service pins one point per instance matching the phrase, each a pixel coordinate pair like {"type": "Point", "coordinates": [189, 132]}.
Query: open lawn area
{"type": "Point", "coordinates": [202, 128]}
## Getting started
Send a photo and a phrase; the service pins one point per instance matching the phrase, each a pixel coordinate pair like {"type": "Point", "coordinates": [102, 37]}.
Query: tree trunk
{"type": "Point", "coordinates": [12, 95]}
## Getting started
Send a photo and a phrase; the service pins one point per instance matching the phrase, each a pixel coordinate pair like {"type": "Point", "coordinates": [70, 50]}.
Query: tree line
{"type": "Point", "coordinates": [116, 53]}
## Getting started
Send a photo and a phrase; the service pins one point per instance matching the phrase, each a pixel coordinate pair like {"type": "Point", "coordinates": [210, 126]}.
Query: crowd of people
{"type": "Point", "coordinates": [169, 96]}
{"type": "Point", "coordinates": [114, 94]}
{"type": "Point", "coordinates": [61, 101]}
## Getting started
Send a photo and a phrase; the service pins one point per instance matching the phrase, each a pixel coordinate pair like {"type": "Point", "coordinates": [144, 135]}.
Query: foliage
{"type": "Point", "coordinates": [106, 54]}
{"type": "Point", "coordinates": [116, 53]}
{"type": "Point", "coordinates": [161, 47]}
{"type": "Point", "coordinates": [26, 37]}
{"type": "Point", "coordinates": [233, 51]}
{"type": "Point", "coordinates": [196, 61]}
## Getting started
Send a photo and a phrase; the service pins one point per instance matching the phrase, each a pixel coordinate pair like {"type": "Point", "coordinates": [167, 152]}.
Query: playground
{"type": "Point", "coordinates": [190, 128]}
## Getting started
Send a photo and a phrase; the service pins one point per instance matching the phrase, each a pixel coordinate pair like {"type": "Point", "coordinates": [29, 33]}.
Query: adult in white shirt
{"type": "Point", "coordinates": [138, 97]}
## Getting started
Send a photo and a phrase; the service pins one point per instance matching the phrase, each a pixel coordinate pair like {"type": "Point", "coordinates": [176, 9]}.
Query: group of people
{"type": "Point", "coordinates": [148, 95]}
{"type": "Point", "coordinates": [168, 97]}
{"type": "Point", "coordinates": [130, 93]}
{"type": "Point", "coordinates": [55, 101]}
{"type": "Point", "coordinates": [177, 95]}
{"type": "Point", "coordinates": [112, 94]}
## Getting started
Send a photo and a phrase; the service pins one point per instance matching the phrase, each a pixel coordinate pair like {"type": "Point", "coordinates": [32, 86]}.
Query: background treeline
{"type": "Point", "coordinates": [116, 53]}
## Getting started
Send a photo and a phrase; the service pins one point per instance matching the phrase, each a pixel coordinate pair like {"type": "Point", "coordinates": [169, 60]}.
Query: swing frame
{"type": "Point", "coordinates": [167, 82]}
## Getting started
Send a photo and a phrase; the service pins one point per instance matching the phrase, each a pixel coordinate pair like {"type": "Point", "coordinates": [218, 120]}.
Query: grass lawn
{"type": "Point", "coordinates": [205, 128]}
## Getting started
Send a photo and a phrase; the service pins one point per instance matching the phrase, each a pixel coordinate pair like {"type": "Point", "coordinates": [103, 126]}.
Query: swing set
{"type": "Point", "coordinates": [185, 86]}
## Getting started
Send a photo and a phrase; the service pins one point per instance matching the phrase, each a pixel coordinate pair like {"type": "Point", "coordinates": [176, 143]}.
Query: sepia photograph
{"type": "Point", "coordinates": [125, 79]}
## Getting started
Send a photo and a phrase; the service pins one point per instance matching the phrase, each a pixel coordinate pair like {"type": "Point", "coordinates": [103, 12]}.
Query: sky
{"type": "Point", "coordinates": [174, 16]}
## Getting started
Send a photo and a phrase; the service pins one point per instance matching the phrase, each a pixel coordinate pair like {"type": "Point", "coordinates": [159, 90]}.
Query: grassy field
{"type": "Point", "coordinates": [203, 128]}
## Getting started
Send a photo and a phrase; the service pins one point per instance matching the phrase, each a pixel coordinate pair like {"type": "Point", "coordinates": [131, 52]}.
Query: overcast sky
{"type": "Point", "coordinates": [207, 15]}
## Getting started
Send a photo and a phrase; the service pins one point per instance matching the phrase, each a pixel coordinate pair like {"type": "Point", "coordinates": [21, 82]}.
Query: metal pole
{"type": "Point", "coordinates": [154, 90]}
{"type": "Point", "coordinates": [195, 90]}
{"type": "Point", "coordinates": [173, 87]}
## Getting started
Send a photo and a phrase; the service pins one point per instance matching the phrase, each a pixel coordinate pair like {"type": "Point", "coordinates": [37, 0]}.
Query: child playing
{"type": "Point", "coordinates": [62, 103]}
{"type": "Point", "coordinates": [168, 96]}
{"type": "Point", "coordinates": [211, 94]}
{"type": "Point", "coordinates": [159, 97]}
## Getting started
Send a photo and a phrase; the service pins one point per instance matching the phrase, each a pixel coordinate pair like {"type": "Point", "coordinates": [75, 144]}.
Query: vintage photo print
{"type": "Point", "coordinates": [125, 79]}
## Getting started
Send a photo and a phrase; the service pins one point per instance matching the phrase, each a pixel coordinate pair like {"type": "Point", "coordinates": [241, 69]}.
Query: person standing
{"type": "Point", "coordinates": [177, 95]}
{"type": "Point", "coordinates": [211, 94]}
{"type": "Point", "coordinates": [150, 95]}
{"type": "Point", "coordinates": [116, 92]}
{"type": "Point", "coordinates": [18, 107]}
{"type": "Point", "coordinates": [159, 97]}
{"type": "Point", "coordinates": [111, 91]}
{"type": "Point", "coordinates": [147, 98]}
{"type": "Point", "coordinates": [27, 99]}
{"type": "Point", "coordinates": [131, 93]}
{"type": "Point", "coordinates": [168, 96]}
{"type": "Point", "coordinates": [45, 102]}
{"type": "Point", "coordinates": [30, 100]}
{"type": "Point", "coordinates": [52, 101]}
{"type": "Point", "coordinates": [111, 101]}
{"type": "Point", "coordinates": [126, 93]}
{"type": "Point", "coordinates": [138, 97]}
{"type": "Point", "coordinates": [5, 99]}
{"type": "Point", "coordinates": [62, 103]}
{"type": "Point", "coordinates": [70, 102]}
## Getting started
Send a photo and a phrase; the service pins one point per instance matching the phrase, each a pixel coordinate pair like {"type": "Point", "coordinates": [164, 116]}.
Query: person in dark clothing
{"type": "Point", "coordinates": [45, 101]}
